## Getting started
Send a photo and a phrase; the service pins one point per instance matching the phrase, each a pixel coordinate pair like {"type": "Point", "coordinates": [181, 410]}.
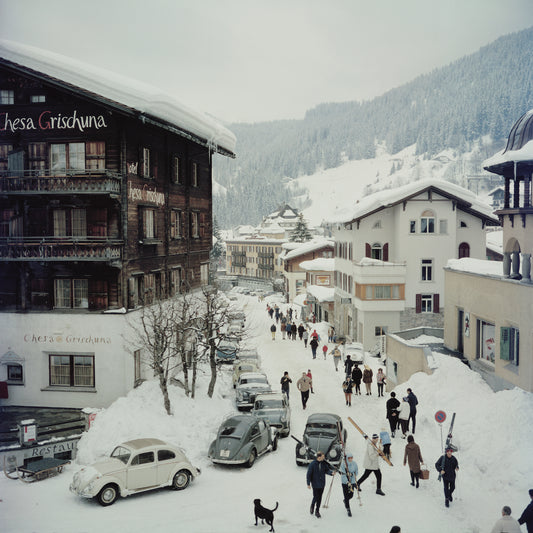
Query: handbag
{"type": "Point", "coordinates": [424, 472]}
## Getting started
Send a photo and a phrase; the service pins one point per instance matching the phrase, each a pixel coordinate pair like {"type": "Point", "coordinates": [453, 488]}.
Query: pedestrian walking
{"type": "Point", "coordinates": [349, 471]}
{"type": "Point", "coordinates": [314, 334]}
{"type": "Point", "coordinates": [316, 479]}
{"type": "Point", "coordinates": [380, 380]}
{"type": "Point", "coordinates": [403, 416]}
{"type": "Point", "coordinates": [325, 350]}
{"type": "Point", "coordinates": [285, 383]}
{"type": "Point", "coordinates": [506, 524]}
{"type": "Point", "coordinates": [304, 386]}
{"type": "Point", "coordinates": [270, 311]}
{"type": "Point", "coordinates": [348, 364]}
{"type": "Point", "coordinates": [357, 376]}
{"type": "Point", "coordinates": [371, 463]}
{"type": "Point", "coordinates": [413, 457]}
{"type": "Point", "coordinates": [413, 402]}
{"type": "Point", "coordinates": [305, 336]}
{"type": "Point", "coordinates": [384, 436]}
{"type": "Point", "coordinates": [331, 332]}
{"type": "Point", "coordinates": [273, 331]}
{"type": "Point", "coordinates": [527, 516]}
{"type": "Point", "coordinates": [294, 331]}
{"type": "Point", "coordinates": [392, 412]}
{"type": "Point", "coordinates": [301, 330]}
{"type": "Point", "coordinates": [310, 376]}
{"type": "Point", "coordinates": [314, 346]}
{"type": "Point", "coordinates": [336, 357]}
{"type": "Point", "coordinates": [448, 466]}
{"type": "Point", "coordinates": [347, 388]}
{"type": "Point", "coordinates": [283, 328]}
{"type": "Point", "coordinates": [367, 379]}
{"type": "Point", "coordinates": [288, 328]}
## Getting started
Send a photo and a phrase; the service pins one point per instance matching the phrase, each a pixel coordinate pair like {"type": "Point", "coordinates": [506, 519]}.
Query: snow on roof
{"type": "Point", "coordinates": [128, 92]}
{"type": "Point", "coordinates": [495, 240]}
{"type": "Point", "coordinates": [322, 294]}
{"type": "Point", "coordinates": [524, 154]}
{"type": "Point", "coordinates": [309, 246]}
{"type": "Point", "coordinates": [320, 263]}
{"type": "Point", "coordinates": [476, 266]}
{"type": "Point", "coordinates": [389, 197]}
{"type": "Point", "coordinates": [299, 299]}
{"type": "Point", "coordinates": [495, 190]}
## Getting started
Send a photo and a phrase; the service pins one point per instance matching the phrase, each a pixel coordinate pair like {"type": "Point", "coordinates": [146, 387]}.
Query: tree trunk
{"type": "Point", "coordinates": [193, 385]}
{"type": "Point", "coordinates": [213, 365]}
{"type": "Point", "coordinates": [164, 390]}
{"type": "Point", "coordinates": [185, 372]}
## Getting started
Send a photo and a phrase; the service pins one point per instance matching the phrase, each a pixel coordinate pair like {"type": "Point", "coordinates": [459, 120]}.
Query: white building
{"type": "Point", "coordinates": [412, 231]}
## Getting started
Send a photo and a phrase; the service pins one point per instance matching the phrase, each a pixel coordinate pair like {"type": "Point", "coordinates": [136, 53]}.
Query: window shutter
{"type": "Point", "coordinates": [435, 303]}
{"type": "Point", "coordinates": [418, 303]}
{"type": "Point", "coordinates": [368, 250]}
{"type": "Point", "coordinates": [505, 343]}
{"type": "Point", "coordinates": [386, 251]}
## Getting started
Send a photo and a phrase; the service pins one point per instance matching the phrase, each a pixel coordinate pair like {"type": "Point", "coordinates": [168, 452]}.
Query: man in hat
{"type": "Point", "coordinates": [371, 463]}
{"type": "Point", "coordinates": [447, 465]}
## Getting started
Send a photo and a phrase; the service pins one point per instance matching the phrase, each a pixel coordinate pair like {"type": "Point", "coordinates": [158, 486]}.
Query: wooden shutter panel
{"type": "Point", "coordinates": [368, 250]}
{"type": "Point", "coordinates": [435, 303]}
{"type": "Point", "coordinates": [97, 222]}
{"type": "Point", "coordinates": [97, 294]}
{"type": "Point", "coordinates": [386, 251]}
{"type": "Point", "coordinates": [418, 303]}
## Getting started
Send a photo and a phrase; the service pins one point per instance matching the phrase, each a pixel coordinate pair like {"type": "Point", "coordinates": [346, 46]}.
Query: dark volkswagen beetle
{"type": "Point", "coordinates": [321, 434]}
{"type": "Point", "coordinates": [241, 439]}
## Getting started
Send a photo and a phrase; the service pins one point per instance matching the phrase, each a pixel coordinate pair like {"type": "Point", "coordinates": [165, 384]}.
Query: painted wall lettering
{"type": "Point", "coordinates": [50, 121]}
{"type": "Point", "coordinates": [145, 194]}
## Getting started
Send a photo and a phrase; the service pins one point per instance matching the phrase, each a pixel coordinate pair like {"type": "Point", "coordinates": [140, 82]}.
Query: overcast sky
{"type": "Point", "coordinates": [251, 61]}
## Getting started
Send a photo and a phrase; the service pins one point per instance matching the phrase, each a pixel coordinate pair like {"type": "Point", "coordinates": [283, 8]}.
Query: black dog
{"type": "Point", "coordinates": [264, 514]}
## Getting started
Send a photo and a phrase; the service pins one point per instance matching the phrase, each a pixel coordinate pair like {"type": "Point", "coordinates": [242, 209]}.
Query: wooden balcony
{"type": "Point", "coordinates": [60, 182]}
{"type": "Point", "coordinates": [60, 249]}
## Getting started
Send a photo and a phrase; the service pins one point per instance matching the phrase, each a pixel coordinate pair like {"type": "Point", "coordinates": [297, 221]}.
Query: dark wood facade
{"type": "Point", "coordinates": [101, 208]}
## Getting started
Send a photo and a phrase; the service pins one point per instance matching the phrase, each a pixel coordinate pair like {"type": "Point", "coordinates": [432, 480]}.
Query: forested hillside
{"type": "Point", "coordinates": [450, 108]}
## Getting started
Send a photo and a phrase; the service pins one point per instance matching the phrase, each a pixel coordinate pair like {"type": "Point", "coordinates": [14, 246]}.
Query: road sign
{"type": "Point", "coordinates": [440, 416]}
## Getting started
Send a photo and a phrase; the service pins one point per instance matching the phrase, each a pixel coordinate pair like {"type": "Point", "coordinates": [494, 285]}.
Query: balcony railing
{"type": "Point", "coordinates": [53, 182]}
{"type": "Point", "coordinates": [64, 249]}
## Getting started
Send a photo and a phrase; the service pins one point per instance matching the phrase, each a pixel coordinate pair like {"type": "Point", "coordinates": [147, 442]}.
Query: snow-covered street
{"type": "Point", "coordinates": [493, 432]}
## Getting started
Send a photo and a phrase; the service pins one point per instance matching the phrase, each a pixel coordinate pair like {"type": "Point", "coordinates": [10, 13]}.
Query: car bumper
{"type": "Point", "coordinates": [228, 461]}
{"type": "Point", "coordinates": [81, 493]}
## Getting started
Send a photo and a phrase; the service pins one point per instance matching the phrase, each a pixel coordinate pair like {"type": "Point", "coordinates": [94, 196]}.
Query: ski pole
{"type": "Point", "coordinates": [326, 501]}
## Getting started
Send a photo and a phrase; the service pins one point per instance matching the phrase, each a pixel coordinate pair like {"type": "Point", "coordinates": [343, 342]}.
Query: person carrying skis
{"type": "Point", "coordinates": [348, 470]}
{"type": "Point", "coordinates": [413, 402]}
{"type": "Point", "coordinates": [371, 463]}
{"type": "Point", "coordinates": [357, 376]}
{"type": "Point", "coordinates": [447, 466]}
{"type": "Point", "coordinates": [316, 478]}
{"type": "Point", "coordinates": [392, 412]}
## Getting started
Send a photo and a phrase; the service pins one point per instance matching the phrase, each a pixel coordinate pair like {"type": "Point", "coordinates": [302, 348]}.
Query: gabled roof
{"type": "Point", "coordinates": [306, 247]}
{"type": "Point", "coordinates": [131, 97]}
{"type": "Point", "coordinates": [466, 201]}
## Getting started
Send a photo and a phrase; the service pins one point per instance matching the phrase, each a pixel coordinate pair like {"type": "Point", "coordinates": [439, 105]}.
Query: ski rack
{"type": "Point", "coordinates": [380, 452]}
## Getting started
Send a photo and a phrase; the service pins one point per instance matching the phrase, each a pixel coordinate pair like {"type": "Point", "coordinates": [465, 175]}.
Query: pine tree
{"type": "Point", "coordinates": [301, 232]}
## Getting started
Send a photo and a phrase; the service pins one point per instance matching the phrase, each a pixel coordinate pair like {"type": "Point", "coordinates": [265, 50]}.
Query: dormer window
{"type": "Point", "coordinates": [7, 97]}
{"type": "Point", "coordinates": [37, 98]}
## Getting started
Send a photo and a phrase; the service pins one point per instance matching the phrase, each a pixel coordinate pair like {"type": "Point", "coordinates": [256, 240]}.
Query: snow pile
{"type": "Point", "coordinates": [477, 266]}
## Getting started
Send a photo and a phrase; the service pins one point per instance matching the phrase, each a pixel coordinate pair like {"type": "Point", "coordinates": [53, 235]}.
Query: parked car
{"type": "Point", "coordinates": [249, 355]}
{"type": "Point", "coordinates": [241, 439]}
{"type": "Point", "coordinates": [356, 352]}
{"type": "Point", "coordinates": [274, 407]}
{"type": "Point", "coordinates": [237, 316]}
{"type": "Point", "coordinates": [321, 433]}
{"type": "Point", "coordinates": [227, 350]}
{"type": "Point", "coordinates": [239, 367]}
{"type": "Point", "coordinates": [249, 385]}
{"type": "Point", "coordinates": [135, 466]}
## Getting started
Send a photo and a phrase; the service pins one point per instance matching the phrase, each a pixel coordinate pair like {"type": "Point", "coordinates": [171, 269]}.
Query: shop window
{"type": "Point", "coordinates": [7, 97]}
{"type": "Point", "coordinates": [510, 345]}
{"type": "Point", "coordinates": [427, 222]}
{"type": "Point", "coordinates": [71, 370]}
{"type": "Point", "coordinates": [485, 336]}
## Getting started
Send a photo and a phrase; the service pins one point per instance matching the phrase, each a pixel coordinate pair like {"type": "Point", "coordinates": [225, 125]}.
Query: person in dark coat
{"type": "Point", "coordinates": [357, 376]}
{"type": "Point", "coordinates": [348, 364]}
{"type": "Point", "coordinates": [413, 456]}
{"type": "Point", "coordinates": [285, 384]}
{"type": "Point", "coordinates": [314, 346]}
{"type": "Point", "coordinates": [413, 402]}
{"type": "Point", "coordinates": [527, 515]}
{"type": "Point", "coordinates": [392, 412]}
{"type": "Point", "coordinates": [273, 331]}
{"type": "Point", "coordinates": [347, 386]}
{"type": "Point", "coordinates": [301, 330]}
{"type": "Point", "coordinates": [367, 379]}
{"type": "Point", "coordinates": [316, 478]}
{"type": "Point", "coordinates": [447, 465]}
{"type": "Point", "coordinates": [288, 329]}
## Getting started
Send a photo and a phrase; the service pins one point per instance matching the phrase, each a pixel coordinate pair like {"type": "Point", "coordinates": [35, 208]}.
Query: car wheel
{"type": "Point", "coordinates": [299, 463]}
{"type": "Point", "coordinates": [108, 495]}
{"type": "Point", "coordinates": [275, 444]}
{"type": "Point", "coordinates": [287, 431]}
{"type": "Point", "coordinates": [251, 458]}
{"type": "Point", "coordinates": [181, 480]}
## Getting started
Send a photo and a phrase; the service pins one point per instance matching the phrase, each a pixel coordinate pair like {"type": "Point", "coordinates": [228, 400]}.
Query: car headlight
{"type": "Point", "coordinates": [302, 450]}
{"type": "Point", "coordinates": [333, 453]}
{"type": "Point", "coordinates": [283, 419]}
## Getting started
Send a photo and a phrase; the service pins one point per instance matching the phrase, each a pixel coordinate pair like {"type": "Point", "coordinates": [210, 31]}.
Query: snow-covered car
{"type": "Point", "coordinates": [241, 439]}
{"type": "Point", "coordinates": [227, 350]}
{"type": "Point", "coordinates": [249, 355]}
{"type": "Point", "coordinates": [249, 385]}
{"type": "Point", "coordinates": [239, 367]}
{"type": "Point", "coordinates": [321, 434]}
{"type": "Point", "coordinates": [134, 466]}
{"type": "Point", "coordinates": [356, 352]}
{"type": "Point", "coordinates": [274, 407]}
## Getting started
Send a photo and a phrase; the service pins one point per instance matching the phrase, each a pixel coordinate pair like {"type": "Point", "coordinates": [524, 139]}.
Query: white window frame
{"type": "Point", "coordinates": [64, 370]}
{"type": "Point", "coordinates": [426, 270]}
{"type": "Point", "coordinates": [37, 98]}
{"type": "Point", "coordinates": [175, 224]}
{"type": "Point", "coordinates": [149, 226]}
{"type": "Point", "coordinates": [426, 303]}
{"type": "Point", "coordinates": [146, 162]}
{"type": "Point", "coordinates": [71, 293]}
{"type": "Point", "coordinates": [427, 222]}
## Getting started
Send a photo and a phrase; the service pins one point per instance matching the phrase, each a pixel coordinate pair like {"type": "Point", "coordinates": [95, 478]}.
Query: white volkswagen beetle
{"type": "Point", "coordinates": [134, 466]}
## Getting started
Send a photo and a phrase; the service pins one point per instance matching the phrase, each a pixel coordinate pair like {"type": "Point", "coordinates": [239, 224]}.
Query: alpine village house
{"type": "Point", "coordinates": [105, 205]}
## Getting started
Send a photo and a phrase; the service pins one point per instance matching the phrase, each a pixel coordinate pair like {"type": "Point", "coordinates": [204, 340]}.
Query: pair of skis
{"type": "Point", "coordinates": [379, 450]}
